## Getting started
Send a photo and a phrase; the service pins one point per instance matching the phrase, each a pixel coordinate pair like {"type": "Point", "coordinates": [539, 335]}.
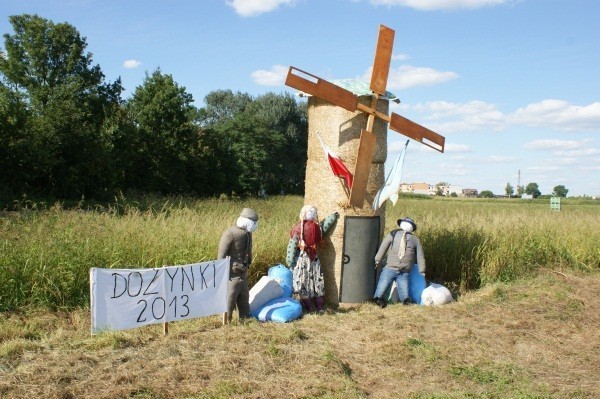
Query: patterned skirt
{"type": "Point", "coordinates": [308, 278]}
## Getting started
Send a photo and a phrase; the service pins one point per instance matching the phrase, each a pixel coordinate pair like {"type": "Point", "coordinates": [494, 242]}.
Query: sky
{"type": "Point", "coordinates": [513, 85]}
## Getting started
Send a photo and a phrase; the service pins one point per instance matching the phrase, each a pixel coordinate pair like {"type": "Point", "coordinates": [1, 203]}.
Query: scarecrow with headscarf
{"type": "Point", "coordinates": [403, 251]}
{"type": "Point", "coordinates": [303, 258]}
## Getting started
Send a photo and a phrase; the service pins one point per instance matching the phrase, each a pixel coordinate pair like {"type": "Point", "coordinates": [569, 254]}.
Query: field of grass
{"type": "Point", "coordinates": [535, 338]}
{"type": "Point", "coordinates": [46, 254]}
{"type": "Point", "coordinates": [525, 324]}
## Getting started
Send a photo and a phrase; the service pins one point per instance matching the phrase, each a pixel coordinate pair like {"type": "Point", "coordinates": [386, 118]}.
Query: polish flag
{"type": "Point", "coordinates": [337, 166]}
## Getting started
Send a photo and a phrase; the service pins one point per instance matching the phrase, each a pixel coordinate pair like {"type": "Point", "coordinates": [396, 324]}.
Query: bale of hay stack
{"type": "Point", "coordinates": [340, 130]}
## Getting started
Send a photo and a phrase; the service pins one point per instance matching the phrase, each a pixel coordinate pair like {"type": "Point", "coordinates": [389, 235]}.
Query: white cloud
{"type": "Point", "coordinates": [463, 117]}
{"type": "Point", "coordinates": [565, 152]}
{"type": "Point", "coordinates": [400, 57]}
{"type": "Point", "coordinates": [407, 76]}
{"type": "Point", "coordinates": [478, 115]}
{"type": "Point", "coordinates": [547, 168]}
{"type": "Point", "coordinates": [590, 168]}
{"type": "Point", "coordinates": [558, 114]}
{"type": "Point", "coordinates": [252, 8]}
{"type": "Point", "coordinates": [416, 146]}
{"type": "Point", "coordinates": [431, 5]}
{"type": "Point", "coordinates": [449, 147]}
{"type": "Point", "coordinates": [274, 77]}
{"type": "Point", "coordinates": [441, 109]}
{"type": "Point", "coordinates": [454, 169]}
{"type": "Point", "coordinates": [131, 64]}
{"type": "Point", "coordinates": [501, 159]}
{"type": "Point", "coordinates": [552, 144]}
{"type": "Point", "coordinates": [561, 161]}
{"type": "Point", "coordinates": [586, 152]}
{"type": "Point", "coordinates": [397, 146]}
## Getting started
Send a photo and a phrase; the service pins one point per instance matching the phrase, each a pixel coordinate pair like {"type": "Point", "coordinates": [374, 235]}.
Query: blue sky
{"type": "Point", "coordinates": [513, 85]}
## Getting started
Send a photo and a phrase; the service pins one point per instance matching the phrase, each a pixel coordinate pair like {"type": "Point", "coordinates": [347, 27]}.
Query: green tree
{"type": "Point", "coordinates": [439, 188]}
{"type": "Point", "coordinates": [509, 190]}
{"type": "Point", "coordinates": [486, 194]}
{"type": "Point", "coordinates": [15, 146]}
{"type": "Point", "coordinates": [520, 190]}
{"type": "Point", "coordinates": [221, 106]}
{"type": "Point", "coordinates": [262, 141]}
{"type": "Point", "coordinates": [66, 102]}
{"type": "Point", "coordinates": [166, 134]}
{"type": "Point", "coordinates": [560, 191]}
{"type": "Point", "coordinates": [533, 190]}
{"type": "Point", "coordinates": [281, 115]}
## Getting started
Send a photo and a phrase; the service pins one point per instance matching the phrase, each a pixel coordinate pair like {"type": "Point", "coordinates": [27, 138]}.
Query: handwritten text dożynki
{"type": "Point", "coordinates": [164, 290]}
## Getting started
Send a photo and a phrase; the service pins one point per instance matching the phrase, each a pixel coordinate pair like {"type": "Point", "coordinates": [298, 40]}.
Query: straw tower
{"type": "Point", "coordinates": [340, 131]}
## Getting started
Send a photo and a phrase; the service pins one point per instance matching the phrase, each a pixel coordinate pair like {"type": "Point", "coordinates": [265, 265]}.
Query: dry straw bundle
{"type": "Point", "coordinates": [340, 130]}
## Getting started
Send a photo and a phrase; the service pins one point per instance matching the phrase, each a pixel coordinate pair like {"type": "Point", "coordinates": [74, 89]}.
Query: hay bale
{"type": "Point", "coordinates": [340, 130]}
{"type": "Point", "coordinates": [343, 128]}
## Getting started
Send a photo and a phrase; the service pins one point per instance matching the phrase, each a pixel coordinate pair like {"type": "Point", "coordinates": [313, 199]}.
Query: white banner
{"type": "Point", "coordinates": [130, 298]}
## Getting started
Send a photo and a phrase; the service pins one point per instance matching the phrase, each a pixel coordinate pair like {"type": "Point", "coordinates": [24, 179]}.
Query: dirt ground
{"type": "Point", "coordinates": [538, 338]}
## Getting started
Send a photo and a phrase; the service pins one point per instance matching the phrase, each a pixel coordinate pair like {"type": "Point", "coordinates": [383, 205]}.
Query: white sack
{"type": "Point", "coordinates": [436, 294]}
{"type": "Point", "coordinates": [265, 290]}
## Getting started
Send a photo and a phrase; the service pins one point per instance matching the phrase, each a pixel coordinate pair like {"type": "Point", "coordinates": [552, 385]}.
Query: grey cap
{"type": "Point", "coordinates": [249, 214]}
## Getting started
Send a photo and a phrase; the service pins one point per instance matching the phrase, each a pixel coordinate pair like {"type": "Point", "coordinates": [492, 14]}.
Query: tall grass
{"type": "Point", "coordinates": [476, 242]}
{"type": "Point", "coordinates": [46, 254]}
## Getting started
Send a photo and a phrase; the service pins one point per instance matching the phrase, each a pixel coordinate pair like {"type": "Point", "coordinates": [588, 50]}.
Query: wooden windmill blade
{"type": "Point", "coordinates": [321, 88]}
{"type": "Point", "coordinates": [383, 57]}
{"type": "Point", "coordinates": [366, 149]}
{"type": "Point", "coordinates": [417, 132]}
{"type": "Point", "coordinates": [368, 140]}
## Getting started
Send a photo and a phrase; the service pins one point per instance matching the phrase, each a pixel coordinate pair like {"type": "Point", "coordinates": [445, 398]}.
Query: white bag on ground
{"type": "Point", "coordinates": [435, 294]}
{"type": "Point", "coordinates": [265, 290]}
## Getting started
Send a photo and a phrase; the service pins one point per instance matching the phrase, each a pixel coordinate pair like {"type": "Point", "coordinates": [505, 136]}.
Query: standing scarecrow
{"type": "Point", "coordinates": [302, 257]}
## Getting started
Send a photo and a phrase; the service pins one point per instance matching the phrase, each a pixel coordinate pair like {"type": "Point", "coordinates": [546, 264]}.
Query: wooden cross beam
{"type": "Point", "coordinates": [341, 97]}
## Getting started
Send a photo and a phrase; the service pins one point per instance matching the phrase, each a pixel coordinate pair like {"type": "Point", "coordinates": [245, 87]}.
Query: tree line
{"type": "Point", "coordinates": [531, 189]}
{"type": "Point", "coordinates": [67, 133]}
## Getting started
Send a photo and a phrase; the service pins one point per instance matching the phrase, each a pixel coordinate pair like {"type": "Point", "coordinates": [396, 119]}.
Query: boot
{"type": "Point", "coordinates": [308, 305]}
{"type": "Point", "coordinates": [379, 302]}
{"type": "Point", "coordinates": [320, 304]}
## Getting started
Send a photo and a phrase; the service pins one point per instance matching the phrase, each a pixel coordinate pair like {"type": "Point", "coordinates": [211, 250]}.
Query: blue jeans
{"type": "Point", "coordinates": [385, 279]}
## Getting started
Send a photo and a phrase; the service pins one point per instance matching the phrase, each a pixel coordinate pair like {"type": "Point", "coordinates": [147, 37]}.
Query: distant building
{"type": "Point", "coordinates": [432, 189]}
{"type": "Point", "coordinates": [416, 188]}
{"type": "Point", "coordinates": [469, 192]}
{"type": "Point", "coordinates": [454, 189]}
{"type": "Point", "coordinates": [447, 190]}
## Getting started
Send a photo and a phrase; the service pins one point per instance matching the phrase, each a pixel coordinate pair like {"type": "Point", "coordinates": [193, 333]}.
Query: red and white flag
{"type": "Point", "coordinates": [337, 166]}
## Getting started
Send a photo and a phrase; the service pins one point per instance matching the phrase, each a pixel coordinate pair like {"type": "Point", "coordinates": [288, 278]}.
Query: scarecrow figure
{"type": "Point", "coordinates": [403, 251]}
{"type": "Point", "coordinates": [236, 242]}
{"type": "Point", "coordinates": [303, 258]}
